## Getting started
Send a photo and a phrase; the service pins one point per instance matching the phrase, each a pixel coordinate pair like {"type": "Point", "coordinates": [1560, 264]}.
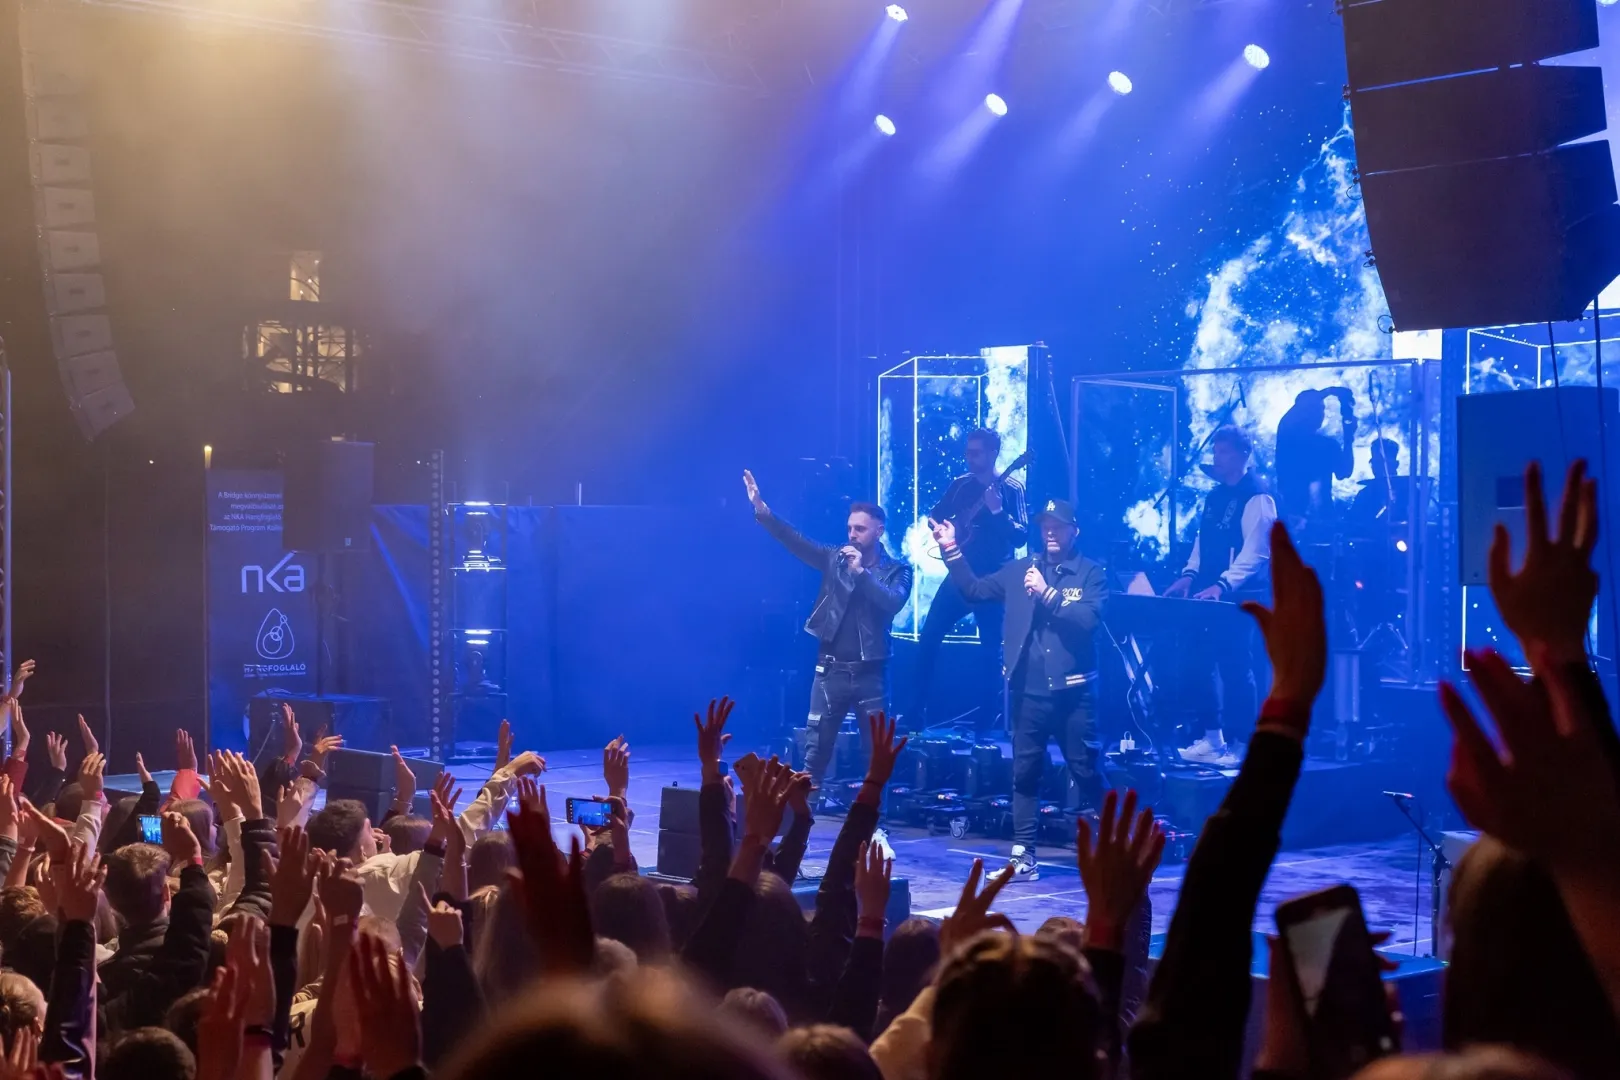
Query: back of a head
{"type": "Point", "coordinates": [136, 878]}
{"type": "Point", "coordinates": [69, 802]}
{"type": "Point", "coordinates": [648, 1028]}
{"type": "Point", "coordinates": [148, 1053]}
{"type": "Point", "coordinates": [681, 912]}
{"type": "Point", "coordinates": [772, 953]}
{"type": "Point", "coordinates": [488, 860]}
{"type": "Point", "coordinates": [200, 816]}
{"type": "Point", "coordinates": [338, 826]}
{"type": "Point", "coordinates": [1519, 975]}
{"type": "Point", "coordinates": [19, 906]}
{"type": "Point", "coordinates": [117, 817]}
{"type": "Point", "coordinates": [627, 908]}
{"type": "Point", "coordinates": [506, 957]}
{"type": "Point", "coordinates": [22, 1006]}
{"type": "Point", "coordinates": [909, 959]}
{"type": "Point", "coordinates": [828, 1052]}
{"type": "Point", "coordinates": [407, 835]}
{"type": "Point", "coordinates": [183, 1015]}
{"type": "Point", "coordinates": [1480, 1063]}
{"type": "Point", "coordinates": [756, 1011]}
{"type": "Point", "coordinates": [1003, 990]}
{"type": "Point", "coordinates": [1065, 931]}
{"type": "Point", "coordinates": [33, 954]}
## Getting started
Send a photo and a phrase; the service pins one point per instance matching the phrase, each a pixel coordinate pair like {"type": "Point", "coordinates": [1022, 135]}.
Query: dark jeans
{"type": "Point", "coordinates": [839, 687]}
{"type": "Point", "coordinates": [1232, 698]}
{"type": "Point", "coordinates": [1070, 717]}
{"type": "Point", "coordinates": [949, 607]}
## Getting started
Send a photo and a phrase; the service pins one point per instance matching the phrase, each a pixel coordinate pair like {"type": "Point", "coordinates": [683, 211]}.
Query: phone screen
{"type": "Point", "coordinates": [588, 812]}
{"type": "Point", "coordinates": [151, 829]}
{"type": "Point", "coordinates": [1347, 1018]}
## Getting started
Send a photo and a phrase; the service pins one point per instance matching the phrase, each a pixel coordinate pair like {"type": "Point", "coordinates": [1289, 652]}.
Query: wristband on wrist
{"type": "Point", "coordinates": [256, 1031]}
{"type": "Point", "coordinates": [437, 849]}
{"type": "Point", "coordinates": [871, 922]}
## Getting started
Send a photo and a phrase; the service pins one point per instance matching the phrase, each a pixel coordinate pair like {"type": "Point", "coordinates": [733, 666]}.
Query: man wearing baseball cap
{"type": "Point", "coordinates": [1054, 603]}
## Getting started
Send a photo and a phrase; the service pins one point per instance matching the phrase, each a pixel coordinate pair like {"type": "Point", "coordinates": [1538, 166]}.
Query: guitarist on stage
{"type": "Point", "coordinates": [991, 523]}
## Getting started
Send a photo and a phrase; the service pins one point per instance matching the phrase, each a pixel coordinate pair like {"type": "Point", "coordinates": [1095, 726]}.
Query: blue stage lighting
{"type": "Point", "coordinates": [1608, 3]}
{"type": "Point", "coordinates": [994, 103]}
{"type": "Point", "coordinates": [898, 13]}
{"type": "Point", "coordinates": [884, 124]}
{"type": "Point", "coordinates": [1119, 82]}
{"type": "Point", "coordinates": [1259, 59]}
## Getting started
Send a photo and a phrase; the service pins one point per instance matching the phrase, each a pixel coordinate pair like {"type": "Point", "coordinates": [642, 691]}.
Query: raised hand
{"type": "Point", "coordinates": [444, 924]}
{"type": "Point", "coordinates": [1116, 867]}
{"type": "Point", "coordinates": [92, 772]}
{"type": "Point", "coordinates": [88, 737]}
{"type": "Point", "coordinates": [1550, 791]}
{"type": "Point", "coordinates": [24, 672]}
{"type": "Point", "coordinates": [1549, 601]}
{"type": "Point", "coordinates": [616, 767]}
{"type": "Point", "coordinates": [141, 770]}
{"type": "Point", "coordinates": [751, 488]}
{"type": "Point", "coordinates": [244, 785]}
{"type": "Point", "coordinates": [19, 729]}
{"type": "Point", "coordinates": [503, 745]}
{"type": "Point", "coordinates": [390, 1028]}
{"type": "Point", "coordinates": [404, 778]}
{"type": "Point", "coordinates": [944, 532]}
{"type": "Point", "coordinates": [292, 879]}
{"type": "Point", "coordinates": [553, 887]}
{"type": "Point", "coordinates": [444, 801]}
{"type": "Point", "coordinates": [220, 778]}
{"type": "Point", "coordinates": [799, 793]}
{"type": "Point", "coordinates": [1294, 629]}
{"type": "Point", "coordinates": [47, 833]}
{"type": "Point", "coordinates": [324, 745]}
{"type": "Point", "coordinates": [10, 811]}
{"type": "Point", "coordinates": [973, 912]}
{"type": "Point", "coordinates": [341, 893]}
{"type": "Point", "coordinates": [292, 744]}
{"type": "Point", "coordinates": [77, 881]}
{"type": "Point", "coordinates": [885, 749]}
{"type": "Point", "coordinates": [712, 738]}
{"type": "Point", "coordinates": [180, 842]}
{"type": "Point", "coordinates": [767, 802]}
{"type": "Point", "coordinates": [185, 751]}
{"type": "Point", "coordinates": [56, 751]}
{"type": "Point", "coordinates": [528, 763]}
{"type": "Point", "coordinates": [872, 879]}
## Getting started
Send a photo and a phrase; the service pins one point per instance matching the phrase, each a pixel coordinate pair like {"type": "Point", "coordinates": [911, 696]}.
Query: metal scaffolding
{"type": "Point", "coordinates": [514, 34]}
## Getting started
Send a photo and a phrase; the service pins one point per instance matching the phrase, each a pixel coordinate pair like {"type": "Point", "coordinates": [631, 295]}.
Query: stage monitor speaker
{"type": "Point", "coordinates": [327, 498]}
{"type": "Point", "coordinates": [1499, 434]}
{"type": "Point", "coordinates": [1479, 211]}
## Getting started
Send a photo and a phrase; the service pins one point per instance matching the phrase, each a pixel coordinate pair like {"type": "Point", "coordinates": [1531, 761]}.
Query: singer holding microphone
{"type": "Point", "coordinates": [862, 590]}
{"type": "Point", "coordinates": [1054, 604]}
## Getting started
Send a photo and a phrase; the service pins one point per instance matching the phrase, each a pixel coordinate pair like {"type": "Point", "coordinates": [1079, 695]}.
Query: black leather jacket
{"type": "Point", "coordinates": [1076, 589]}
{"type": "Point", "coordinates": [887, 585]}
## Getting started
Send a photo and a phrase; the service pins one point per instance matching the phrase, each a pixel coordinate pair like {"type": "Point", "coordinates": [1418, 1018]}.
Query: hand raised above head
{"type": "Point", "coordinates": [1116, 866]}
{"type": "Point", "coordinates": [1294, 628]}
{"type": "Point", "coordinates": [1548, 602]}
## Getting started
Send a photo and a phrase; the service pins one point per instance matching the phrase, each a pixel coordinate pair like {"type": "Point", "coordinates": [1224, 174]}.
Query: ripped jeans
{"type": "Point", "coordinates": [841, 686]}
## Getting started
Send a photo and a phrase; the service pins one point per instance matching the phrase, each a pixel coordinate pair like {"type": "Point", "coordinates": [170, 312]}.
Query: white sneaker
{"type": "Point", "coordinates": [1205, 752]}
{"type": "Point", "coordinates": [1025, 868]}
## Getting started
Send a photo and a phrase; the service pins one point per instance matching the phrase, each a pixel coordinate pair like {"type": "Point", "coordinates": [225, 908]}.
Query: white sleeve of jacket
{"type": "Point", "coordinates": [1258, 517]}
{"type": "Point", "coordinates": [901, 1052]}
{"type": "Point", "coordinates": [1193, 560]}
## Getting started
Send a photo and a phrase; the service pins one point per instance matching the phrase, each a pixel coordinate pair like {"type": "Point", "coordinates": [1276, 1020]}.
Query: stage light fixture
{"type": "Point", "coordinates": [994, 103]}
{"type": "Point", "coordinates": [884, 124]}
{"type": "Point", "coordinates": [1259, 59]}
{"type": "Point", "coordinates": [898, 13]}
{"type": "Point", "coordinates": [1119, 83]}
{"type": "Point", "coordinates": [1608, 3]}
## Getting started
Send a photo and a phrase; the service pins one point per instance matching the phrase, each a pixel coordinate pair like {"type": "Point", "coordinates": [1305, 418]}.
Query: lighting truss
{"type": "Point", "coordinates": [515, 35]}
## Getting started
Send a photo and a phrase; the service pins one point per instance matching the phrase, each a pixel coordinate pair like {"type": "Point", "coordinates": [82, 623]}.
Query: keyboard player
{"type": "Point", "coordinates": [1231, 562]}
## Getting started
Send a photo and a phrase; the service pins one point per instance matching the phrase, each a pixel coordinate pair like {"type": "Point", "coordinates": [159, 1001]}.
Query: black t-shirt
{"type": "Point", "coordinates": [846, 643]}
{"type": "Point", "coordinates": [1030, 674]}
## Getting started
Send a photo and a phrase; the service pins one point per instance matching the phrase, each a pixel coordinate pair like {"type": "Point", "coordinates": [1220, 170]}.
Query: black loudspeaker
{"type": "Point", "coordinates": [327, 498]}
{"type": "Point", "coordinates": [1479, 212]}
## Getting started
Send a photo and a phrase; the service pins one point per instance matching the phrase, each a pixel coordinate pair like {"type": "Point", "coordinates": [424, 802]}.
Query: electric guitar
{"type": "Point", "coordinates": [963, 519]}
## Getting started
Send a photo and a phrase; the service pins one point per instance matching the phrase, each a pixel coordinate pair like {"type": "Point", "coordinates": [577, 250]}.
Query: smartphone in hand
{"type": "Point", "coordinates": [1347, 1020]}
{"type": "Point", "coordinates": [593, 813]}
{"type": "Point", "coordinates": [152, 829]}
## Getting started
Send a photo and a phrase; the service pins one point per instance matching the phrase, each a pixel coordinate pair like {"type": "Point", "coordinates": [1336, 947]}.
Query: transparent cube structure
{"type": "Point", "coordinates": [926, 407]}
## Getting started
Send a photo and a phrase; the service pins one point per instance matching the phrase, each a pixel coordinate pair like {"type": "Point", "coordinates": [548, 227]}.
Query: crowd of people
{"type": "Point", "coordinates": [259, 937]}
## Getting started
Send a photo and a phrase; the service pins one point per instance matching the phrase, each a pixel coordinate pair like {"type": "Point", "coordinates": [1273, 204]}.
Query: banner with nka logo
{"type": "Point", "coordinates": [261, 604]}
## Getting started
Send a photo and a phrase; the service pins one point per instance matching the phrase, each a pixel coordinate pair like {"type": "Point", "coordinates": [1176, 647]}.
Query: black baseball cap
{"type": "Point", "coordinates": [1061, 509]}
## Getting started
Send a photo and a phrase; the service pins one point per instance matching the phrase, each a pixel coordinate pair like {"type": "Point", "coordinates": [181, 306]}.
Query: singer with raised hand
{"type": "Point", "coordinates": [862, 590]}
{"type": "Point", "coordinates": [1054, 604]}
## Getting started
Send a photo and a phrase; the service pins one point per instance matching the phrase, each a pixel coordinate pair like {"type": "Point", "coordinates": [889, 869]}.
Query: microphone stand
{"type": "Point", "coordinates": [1438, 864]}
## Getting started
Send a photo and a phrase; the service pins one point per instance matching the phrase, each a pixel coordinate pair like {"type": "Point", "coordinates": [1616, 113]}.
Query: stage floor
{"type": "Point", "coordinates": [1395, 894]}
